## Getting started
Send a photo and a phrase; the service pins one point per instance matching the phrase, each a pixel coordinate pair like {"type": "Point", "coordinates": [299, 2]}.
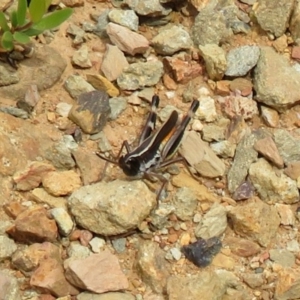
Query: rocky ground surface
{"type": "Point", "coordinates": [66, 235]}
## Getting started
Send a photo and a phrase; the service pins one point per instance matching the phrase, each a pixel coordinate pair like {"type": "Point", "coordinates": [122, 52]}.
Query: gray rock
{"type": "Point", "coordinates": [9, 288]}
{"type": "Point", "coordinates": [63, 220]}
{"type": "Point", "coordinates": [151, 8]}
{"type": "Point", "coordinates": [160, 216]}
{"type": "Point", "coordinates": [210, 285]}
{"type": "Point", "coordinates": [77, 32]}
{"type": "Point", "coordinates": [76, 85]}
{"type": "Point", "coordinates": [171, 40]}
{"type": "Point", "coordinates": [106, 296]}
{"type": "Point", "coordinates": [7, 247]}
{"type": "Point", "coordinates": [225, 149]}
{"type": "Point", "coordinates": [141, 74]}
{"type": "Point", "coordinates": [245, 155]}
{"type": "Point", "coordinates": [102, 22]}
{"type": "Point", "coordinates": [165, 112]}
{"type": "Point", "coordinates": [282, 257]}
{"type": "Point", "coordinates": [215, 132]}
{"type": "Point", "coordinates": [100, 207]}
{"type": "Point", "coordinates": [276, 83]}
{"type": "Point", "coordinates": [8, 75]}
{"type": "Point", "coordinates": [213, 223]}
{"type": "Point", "coordinates": [210, 27]}
{"type": "Point", "coordinates": [215, 60]}
{"type": "Point", "coordinates": [249, 220]}
{"type": "Point", "coordinates": [44, 69]}
{"type": "Point", "coordinates": [152, 266]}
{"type": "Point", "coordinates": [16, 112]}
{"type": "Point", "coordinates": [271, 185]}
{"type": "Point", "coordinates": [185, 203]}
{"type": "Point", "coordinates": [272, 17]}
{"type": "Point", "coordinates": [175, 253]}
{"type": "Point", "coordinates": [241, 60]}
{"type": "Point", "coordinates": [127, 18]}
{"type": "Point", "coordinates": [200, 156]}
{"type": "Point", "coordinates": [81, 57]}
{"type": "Point", "coordinates": [119, 245]}
{"type": "Point", "coordinates": [288, 145]}
{"type": "Point", "coordinates": [104, 145]}
{"type": "Point", "coordinates": [117, 106]}
{"type": "Point", "coordinates": [91, 111]}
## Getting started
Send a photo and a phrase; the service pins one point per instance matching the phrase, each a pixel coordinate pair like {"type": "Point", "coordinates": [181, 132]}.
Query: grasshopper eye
{"type": "Point", "coordinates": [130, 166]}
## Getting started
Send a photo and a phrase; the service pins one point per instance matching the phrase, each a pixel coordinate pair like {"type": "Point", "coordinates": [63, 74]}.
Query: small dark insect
{"type": "Point", "coordinates": [202, 251]}
{"type": "Point", "coordinates": [155, 150]}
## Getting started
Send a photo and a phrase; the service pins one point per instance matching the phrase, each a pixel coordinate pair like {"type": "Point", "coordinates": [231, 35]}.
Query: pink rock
{"type": "Point", "coordinates": [97, 273]}
{"type": "Point", "coordinates": [33, 225]}
{"type": "Point", "coordinates": [31, 177]}
{"type": "Point", "coordinates": [127, 40]}
{"type": "Point", "coordinates": [50, 275]}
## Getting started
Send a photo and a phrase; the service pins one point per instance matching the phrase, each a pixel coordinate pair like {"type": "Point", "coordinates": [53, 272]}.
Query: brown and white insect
{"type": "Point", "coordinates": [156, 149]}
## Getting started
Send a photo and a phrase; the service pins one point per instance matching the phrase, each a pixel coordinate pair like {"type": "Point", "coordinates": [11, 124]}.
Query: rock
{"type": "Point", "coordinates": [97, 273]}
{"type": "Point", "coordinates": [139, 75]}
{"type": "Point", "coordinates": [241, 85]}
{"type": "Point", "coordinates": [102, 21]}
{"type": "Point", "coordinates": [127, 40]}
{"type": "Point", "coordinates": [117, 105]}
{"type": "Point", "coordinates": [76, 32]}
{"type": "Point", "coordinates": [293, 170]}
{"type": "Point", "coordinates": [31, 177]}
{"type": "Point", "coordinates": [224, 261]}
{"type": "Point", "coordinates": [151, 8]}
{"type": "Point", "coordinates": [241, 60]}
{"type": "Point", "coordinates": [225, 149]}
{"type": "Point", "coordinates": [113, 63]}
{"type": "Point", "coordinates": [272, 186]}
{"type": "Point", "coordinates": [105, 213]}
{"type": "Point", "coordinates": [294, 22]}
{"type": "Point", "coordinates": [268, 149]}
{"type": "Point", "coordinates": [63, 220]}
{"type": "Point", "coordinates": [288, 145]}
{"type": "Point", "coordinates": [272, 69]}
{"type": "Point", "coordinates": [152, 266]}
{"type": "Point", "coordinates": [119, 245]}
{"type": "Point", "coordinates": [81, 57]}
{"type": "Point", "coordinates": [185, 203]}
{"type": "Point", "coordinates": [245, 155]}
{"type": "Point", "coordinates": [204, 161]}
{"type": "Point", "coordinates": [207, 108]}
{"type": "Point", "coordinates": [171, 40]}
{"type": "Point", "coordinates": [50, 276]}
{"type": "Point", "coordinates": [215, 60]}
{"type": "Point", "coordinates": [97, 244]}
{"type": "Point", "coordinates": [242, 247]}
{"type": "Point", "coordinates": [76, 252]}
{"type": "Point", "coordinates": [182, 70]}
{"type": "Point", "coordinates": [216, 131]}
{"type": "Point", "coordinates": [33, 225]}
{"type": "Point", "coordinates": [101, 83]}
{"type": "Point", "coordinates": [213, 223]}
{"type": "Point", "coordinates": [160, 216]}
{"type": "Point", "coordinates": [73, 3]}
{"type": "Point", "coordinates": [235, 105]}
{"type": "Point", "coordinates": [76, 85]}
{"type": "Point", "coordinates": [16, 112]}
{"type": "Point", "coordinates": [282, 257]}
{"type": "Point", "coordinates": [7, 247]}
{"type": "Point", "coordinates": [244, 191]}
{"type": "Point", "coordinates": [206, 285]}
{"type": "Point", "coordinates": [91, 166]}
{"type": "Point", "coordinates": [202, 251]}
{"type": "Point", "coordinates": [91, 111]}
{"type": "Point", "coordinates": [253, 280]}
{"type": "Point", "coordinates": [106, 296]}
{"type": "Point", "coordinates": [29, 258]}
{"type": "Point", "coordinates": [32, 97]}
{"type": "Point", "coordinates": [9, 287]}
{"type": "Point", "coordinates": [210, 27]}
{"type": "Point", "coordinates": [287, 216]}
{"type": "Point", "coordinates": [175, 252]}
{"type": "Point", "coordinates": [127, 18]}
{"type": "Point", "coordinates": [39, 195]}
{"type": "Point", "coordinates": [8, 76]}
{"type": "Point", "coordinates": [44, 69]}
{"type": "Point", "coordinates": [274, 18]}
{"type": "Point", "coordinates": [249, 220]}
{"type": "Point", "coordinates": [61, 183]}
{"type": "Point", "coordinates": [270, 116]}
{"type": "Point", "coordinates": [288, 284]}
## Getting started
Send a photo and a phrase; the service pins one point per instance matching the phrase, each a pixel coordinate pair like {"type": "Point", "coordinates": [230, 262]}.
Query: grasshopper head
{"type": "Point", "coordinates": [129, 165]}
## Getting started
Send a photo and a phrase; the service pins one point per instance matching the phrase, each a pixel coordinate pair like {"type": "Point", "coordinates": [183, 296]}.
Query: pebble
{"type": "Point", "coordinates": [175, 253]}
{"type": "Point", "coordinates": [242, 247]}
{"type": "Point", "coordinates": [286, 214]}
{"type": "Point", "coordinates": [119, 245]}
{"type": "Point", "coordinates": [117, 106]}
{"type": "Point", "coordinates": [7, 247]}
{"type": "Point", "coordinates": [63, 109]}
{"type": "Point", "coordinates": [282, 257]}
{"type": "Point", "coordinates": [9, 287]}
{"type": "Point", "coordinates": [225, 149]}
{"type": "Point", "coordinates": [241, 60]}
{"type": "Point", "coordinates": [270, 116]}
{"type": "Point", "coordinates": [127, 18]}
{"type": "Point", "coordinates": [127, 40]}
{"type": "Point", "coordinates": [207, 109]}
{"type": "Point", "coordinates": [31, 99]}
{"type": "Point", "coordinates": [97, 244]}
{"type": "Point", "coordinates": [149, 8]}
{"type": "Point", "coordinates": [101, 83]}
{"type": "Point", "coordinates": [63, 220]}
{"type": "Point", "coordinates": [81, 57]}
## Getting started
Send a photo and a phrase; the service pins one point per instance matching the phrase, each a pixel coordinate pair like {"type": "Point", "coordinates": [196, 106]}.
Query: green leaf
{"type": "Point", "coordinates": [32, 32]}
{"type": "Point", "coordinates": [21, 12]}
{"type": "Point", "coordinates": [21, 37]}
{"type": "Point", "coordinates": [53, 20]}
{"type": "Point", "coordinates": [3, 22]}
{"type": "Point", "coordinates": [13, 19]}
{"type": "Point", "coordinates": [37, 8]}
{"type": "Point", "coordinates": [7, 41]}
